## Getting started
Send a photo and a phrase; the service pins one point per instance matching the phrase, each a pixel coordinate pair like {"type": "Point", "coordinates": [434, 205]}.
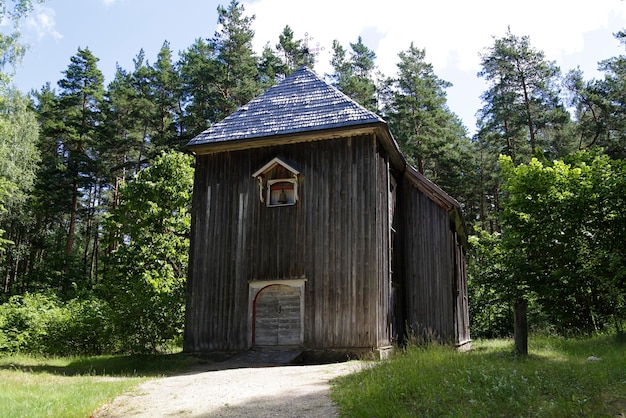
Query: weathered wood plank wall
{"type": "Point", "coordinates": [462, 302]}
{"type": "Point", "coordinates": [426, 274]}
{"type": "Point", "coordinates": [383, 223]}
{"type": "Point", "coordinates": [334, 237]}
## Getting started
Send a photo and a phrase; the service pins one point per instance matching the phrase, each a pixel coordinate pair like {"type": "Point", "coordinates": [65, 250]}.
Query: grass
{"type": "Point", "coordinates": [74, 387]}
{"type": "Point", "coordinates": [555, 380]}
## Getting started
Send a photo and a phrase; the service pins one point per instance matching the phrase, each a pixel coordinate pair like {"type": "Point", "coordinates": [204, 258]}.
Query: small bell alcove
{"type": "Point", "coordinates": [278, 183]}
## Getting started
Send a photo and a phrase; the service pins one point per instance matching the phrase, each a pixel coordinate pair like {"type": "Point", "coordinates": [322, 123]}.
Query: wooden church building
{"type": "Point", "coordinates": [310, 231]}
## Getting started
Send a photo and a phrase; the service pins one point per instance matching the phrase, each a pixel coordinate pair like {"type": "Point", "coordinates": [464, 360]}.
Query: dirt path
{"type": "Point", "coordinates": [235, 391]}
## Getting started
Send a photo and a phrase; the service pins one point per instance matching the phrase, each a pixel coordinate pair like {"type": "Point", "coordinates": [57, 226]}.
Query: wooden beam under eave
{"type": "Point", "coordinates": [285, 139]}
{"type": "Point", "coordinates": [378, 129]}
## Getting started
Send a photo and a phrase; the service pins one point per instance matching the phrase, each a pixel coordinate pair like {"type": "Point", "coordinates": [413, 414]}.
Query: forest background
{"type": "Point", "coordinates": [95, 184]}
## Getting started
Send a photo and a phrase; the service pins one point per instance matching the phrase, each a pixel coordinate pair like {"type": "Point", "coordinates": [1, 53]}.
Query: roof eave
{"type": "Point", "coordinates": [378, 128]}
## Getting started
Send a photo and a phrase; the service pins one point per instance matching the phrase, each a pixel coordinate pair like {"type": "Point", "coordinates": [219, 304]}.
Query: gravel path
{"type": "Point", "coordinates": [235, 390]}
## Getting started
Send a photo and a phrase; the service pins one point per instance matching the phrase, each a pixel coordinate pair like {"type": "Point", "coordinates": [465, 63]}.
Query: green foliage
{"type": "Point", "coordinates": [19, 157]}
{"type": "Point", "coordinates": [522, 116]}
{"type": "Point", "coordinates": [165, 97]}
{"type": "Point", "coordinates": [354, 75]}
{"type": "Point", "coordinates": [523, 113]}
{"type": "Point", "coordinates": [76, 132]}
{"type": "Point", "coordinates": [143, 112]}
{"type": "Point", "coordinates": [44, 324]}
{"type": "Point", "coordinates": [235, 62]}
{"type": "Point", "coordinates": [489, 300]}
{"type": "Point", "coordinates": [559, 220]}
{"type": "Point", "coordinates": [293, 51]}
{"type": "Point", "coordinates": [430, 135]}
{"type": "Point", "coordinates": [11, 49]}
{"type": "Point", "coordinates": [143, 293]}
{"type": "Point", "coordinates": [599, 105]}
{"type": "Point", "coordinates": [85, 154]}
{"type": "Point", "coordinates": [563, 225]}
{"type": "Point", "coordinates": [491, 290]}
{"type": "Point", "coordinates": [197, 75]}
{"type": "Point", "coordinates": [145, 273]}
{"type": "Point", "coordinates": [554, 381]}
{"type": "Point", "coordinates": [18, 152]}
{"type": "Point", "coordinates": [222, 73]}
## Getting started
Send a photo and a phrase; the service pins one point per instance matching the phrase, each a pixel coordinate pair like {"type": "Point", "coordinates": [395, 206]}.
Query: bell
{"type": "Point", "coordinates": [282, 197]}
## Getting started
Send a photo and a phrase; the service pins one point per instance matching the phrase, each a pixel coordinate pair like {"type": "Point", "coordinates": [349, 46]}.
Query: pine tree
{"type": "Point", "coordinates": [432, 138]}
{"type": "Point", "coordinates": [294, 55]}
{"type": "Point", "coordinates": [166, 98]}
{"type": "Point", "coordinates": [123, 137]}
{"type": "Point", "coordinates": [220, 74]}
{"type": "Point", "coordinates": [80, 109]}
{"type": "Point", "coordinates": [271, 68]}
{"type": "Point", "coordinates": [289, 55]}
{"type": "Point", "coordinates": [197, 70]}
{"type": "Point", "coordinates": [523, 113]}
{"type": "Point", "coordinates": [599, 106]}
{"type": "Point", "coordinates": [144, 107]}
{"type": "Point", "coordinates": [354, 76]}
{"type": "Point", "coordinates": [417, 112]}
{"type": "Point", "coordinates": [236, 66]}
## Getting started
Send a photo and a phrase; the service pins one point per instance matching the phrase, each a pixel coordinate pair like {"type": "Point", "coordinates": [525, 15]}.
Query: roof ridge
{"type": "Point", "coordinates": [314, 74]}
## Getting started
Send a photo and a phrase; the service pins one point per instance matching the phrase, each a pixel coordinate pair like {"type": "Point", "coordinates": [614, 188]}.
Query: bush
{"type": "Point", "coordinates": [43, 324]}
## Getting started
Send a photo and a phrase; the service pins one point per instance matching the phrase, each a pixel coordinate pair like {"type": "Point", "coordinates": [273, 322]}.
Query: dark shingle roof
{"type": "Point", "coordinates": [301, 102]}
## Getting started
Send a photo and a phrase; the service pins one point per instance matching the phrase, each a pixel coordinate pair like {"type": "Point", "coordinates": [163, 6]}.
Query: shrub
{"type": "Point", "coordinates": [44, 324]}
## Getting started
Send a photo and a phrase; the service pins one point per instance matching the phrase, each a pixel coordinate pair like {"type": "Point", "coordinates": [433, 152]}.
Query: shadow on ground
{"type": "Point", "coordinates": [159, 365]}
{"type": "Point", "coordinates": [111, 365]}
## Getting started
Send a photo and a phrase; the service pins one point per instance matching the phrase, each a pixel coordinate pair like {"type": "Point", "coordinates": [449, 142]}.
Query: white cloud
{"type": "Point", "coordinates": [42, 23]}
{"type": "Point", "coordinates": [4, 22]}
{"type": "Point", "coordinates": [453, 32]}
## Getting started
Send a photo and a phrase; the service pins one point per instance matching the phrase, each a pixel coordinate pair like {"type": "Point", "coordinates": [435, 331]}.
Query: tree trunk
{"type": "Point", "coordinates": [73, 215]}
{"type": "Point", "coordinates": [520, 327]}
{"type": "Point", "coordinates": [89, 225]}
{"type": "Point", "coordinates": [7, 277]}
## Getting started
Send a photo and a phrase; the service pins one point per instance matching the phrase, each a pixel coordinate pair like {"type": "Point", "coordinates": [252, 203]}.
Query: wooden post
{"type": "Point", "coordinates": [520, 327]}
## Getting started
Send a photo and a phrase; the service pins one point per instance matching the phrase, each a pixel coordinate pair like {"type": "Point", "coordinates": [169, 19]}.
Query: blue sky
{"type": "Point", "coordinates": [453, 32]}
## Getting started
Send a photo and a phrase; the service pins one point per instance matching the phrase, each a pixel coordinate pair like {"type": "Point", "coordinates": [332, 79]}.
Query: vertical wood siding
{"type": "Point", "coordinates": [277, 316]}
{"type": "Point", "coordinates": [462, 303]}
{"type": "Point", "coordinates": [335, 236]}
{"type": "Point", "coordinates": [427, 271]}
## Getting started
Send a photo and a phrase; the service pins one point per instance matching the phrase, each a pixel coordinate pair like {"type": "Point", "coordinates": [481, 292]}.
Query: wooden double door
{"type": "Point", "coordinates": [277, 316]}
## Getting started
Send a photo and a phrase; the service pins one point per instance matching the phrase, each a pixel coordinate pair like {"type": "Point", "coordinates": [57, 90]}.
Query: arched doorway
{"type": "Point", "coordinates": [277, 316]}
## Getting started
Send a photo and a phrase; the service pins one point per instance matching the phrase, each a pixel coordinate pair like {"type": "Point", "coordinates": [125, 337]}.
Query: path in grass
{"type": "Point", "coordinates": [235, 391]}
